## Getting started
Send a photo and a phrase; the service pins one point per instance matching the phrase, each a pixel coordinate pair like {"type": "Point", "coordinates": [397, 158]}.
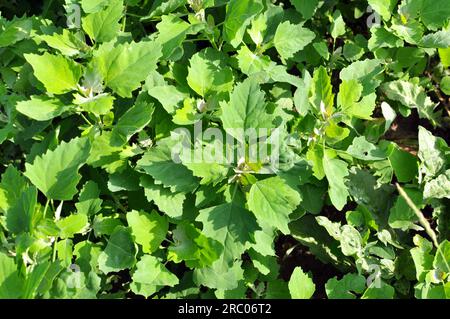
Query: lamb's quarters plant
{"type": "Point", "coordinates": [225, 149]}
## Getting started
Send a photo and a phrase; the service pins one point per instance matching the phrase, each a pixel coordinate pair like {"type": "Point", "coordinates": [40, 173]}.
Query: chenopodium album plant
{"type": "Point", "coordinates": [208, 148]}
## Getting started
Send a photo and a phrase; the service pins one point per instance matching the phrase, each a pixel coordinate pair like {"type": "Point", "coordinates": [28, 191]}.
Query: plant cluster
{"type": "Point", "coordinates": [103, 193]}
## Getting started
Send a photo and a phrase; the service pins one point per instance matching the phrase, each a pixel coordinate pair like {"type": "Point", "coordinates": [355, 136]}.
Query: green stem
{"type": "Point", "coordinates": [124, 20]}
{"type": "Point", "coordinates": [46, 207]}
{"type": "Point", "coordinates": [86, 120]}
{"type": "Point", "coordinates": [54, 250]}
{"type": "Point", "coordinates": [422, 220]}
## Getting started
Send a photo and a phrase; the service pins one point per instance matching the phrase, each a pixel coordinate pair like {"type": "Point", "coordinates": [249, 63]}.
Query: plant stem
{"type": "Point", "coordinates": [422, 220]}
{"type": "Point", "coordinates": [85, 119]}
{"type": "Point", "coordinates": [46, 207]}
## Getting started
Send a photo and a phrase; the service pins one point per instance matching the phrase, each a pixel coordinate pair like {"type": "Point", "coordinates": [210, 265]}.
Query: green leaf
{"type": "Point", "coordinates": [163, 7]}
{"type": "Point", "coordinates": [438, 187]}
{"type": "Point", "coordinates": [238, 17]}
{"type": "Point", "coordinates": [148, 230]}
{"type": "Point", "coordinates": [192, 246]}
{"type": "Point", "coordinates": [58, 74]}
{"type": "Point", "coordinates": [440, 39]}
{"type": "Point", "coordinates": [365, 190]}
{"type": "Point", "coordinates": [219, 275]}
{"type": "Point", "coordinates": [231, 224]}
{"type": "Point", "coordinates": [445, 85]}
{"type": "Point", "coordinates": [12, 185]}
{"type": "Point", "coordinates": [89, 202]}
{"type": "Point", "coordinates": [19, 218]}
{"type": "Point", "coordinates": [383, 7]}
{"type": "Point", "coordinates": [124, 66]}
{"type": "Point", "coordinates": [91, 6]}
{"type": "Point", "coordinates": [73, 224]}
{"type": "Point", "coordinates": [346, 287]}
{"type": "Point", "coordinates": [411, 96]}
{"type": "Point", "coordinates": [208, 73]}
{"type": "Point", "coordinates": [167, 201]}
{"type": "Point", "coordinates": [150, 276]}
{"type": "Point", "coordinates": [366, 72]}
{"type": "Point", "coordinates": [272, 201]}
{"type": "Point", "coordinates": [159, 163]}
{"type": "Point", "coordinates": [246, 110]}
{"type": "Point", "coordinates": [42, 108]}
{"type": "Point", "coordinates": [301, 285]}
{"type": "Point", "coordinates": [105, 225]}
{"type": "Point", "coordinates": [67, 43]}
{"type": "Point", "coordinates": [337, 27]}
{"type": "Point", "coordinates": [11, 284]}
{"type": "Point", "coordinates": [306, 7]}
{"type": "Point", "coordinates": [442, 259]}
{"type": "Point", "coordinates": [385, 291]}
{"type": "Point", "coordinates": [120, 252]}
{"type": "Point", "coordinates": [364, 150]}
{"type": "Point", "coordinates": [444, 54]}
{"type": "Point", "coordinates": [15, 31]}
{"type": "Point", "coordinates": [99, 104]}
{"type": "Point", "coordinates": [210, 166]}
{"type": "Point", "coordinates": [56, 172]}
{"type": "Point", "coordinates": [103, 26]}
{"type": "Point", "coordinates": [251, 63]}
{"type": "Point", "coordinates": [383, 38]}
{"type": "Point", "coordinates": [351, 241]}
{"type": "Point", "coordinates": [168, 95]}
{"type": "Point", "coordinates": [431, 153]}
{"type": "Point", "coordinates": [321, 91]}
{"type": "Point", "coordinates": [336, 171]}
{"type": "Point", "coordinates": [133, 121]}
{"type": "Point", "coordinates": [172, 32]}
{"type": "Point", "coordinates": [290, 38]}
{"type": "Point", "coordinates": [403, 163]}
{"type": "Point", "coordinates": [423, 259]}
{"type": "Point", "coordinates": [434, 13]}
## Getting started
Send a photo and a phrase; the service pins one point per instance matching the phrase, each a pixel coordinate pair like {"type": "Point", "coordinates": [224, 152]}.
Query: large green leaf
{"type": "Point", "coordinates": [434, 13]}
{"type": "Point", "coordinates": [56, 172]}
{"type": "Point", "coordinates": [133, 121]}
{"type": "Point", "coordinates": [11, 187]}
{"type": "Point", "coordinates": [42, 108]}
{"type": "Point", "coordinates": [345, 288]}
{"type": "Point", "coordinates": [272, 201]}
{"type": "Point", "coordinates": [291, 38]}
{"type": "Point", "coordinates": [58, 74]}
{"type": "Point", "coordinates": [124, 66]}
{"type": "Point", "coordinates": [148, 230]}
{"type": "Point", "coordinates": [301, 285]}
{"type": "Point", "coordinates": [172, 32]}
{"type": "Point", "coordinates": [103, 26]}
{"type": "Point", "coordinates": [336, 170]}
{"type": "Point", "coordinates": [322, 96]}
{"type": "Point", "coordinates": [193, 247]}
{"type": "Point", "coordinates": [209, 73]}
{"type": "Point", "coordinates": [120, 253]}
{"type": "Point", "coordinates": [246, 110]}
{"type": "Point", "coordinates": [19, 217]}
{"type": "Point", "coordinates": [239, 15]}
{"type": "Point", "coordinates": [159, 163]}
{"type": "Point", "coordinates": [431, 153]}
{"type": "Point", "coordinates": [231, 224]}
{"type": "Point", "coordinates": [150, 276]}
{"type": "Point", "coordinates": [11, 284]}
{"type": "Point", "coordinates": [167, 201]}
